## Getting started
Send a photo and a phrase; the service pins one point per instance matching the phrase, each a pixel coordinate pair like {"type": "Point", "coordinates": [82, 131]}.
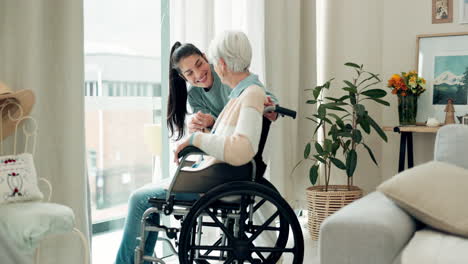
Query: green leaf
{"type": "Point", "coordinates": [346, 146]}
{"type": "Point", "coordinates": [328, 145]}
{"type": "Point", "coordinates": [316, 91]}
{"type": "Point", "coordinates": [317, 127]}
{"type": "Point", "coordinates": [307, 151]}
{"type": "Point", "coordinates": [328, 121]}
{"type": "Point", "coordinates": [377, 128]}
{"type": "Point", "coordinates": [313, 174]}
{"type": "Point", "coordinates": [322, 111]}
{"type": "Point", "coordinates": [338, 163]}
{"type": "Point", "coordinates": [364, 123]}
{"type": "Point", "coordinates": [376, 76]}
{"type": "Point", "coordinates": [311, 102]}
{"type": "Point", "coordinates": [380, 101]}
{"type": "Point", "coordinates": [335, 147]}
{"type": "Point", "coordinates": [350, 64]}
{"type": "Point", "coordinates": [375, 93]}
{"type": "Point", "coordinates": [320, 159]}
{"type": "Point", "coordinates": [350, 89]}
{"type": "Point", "coordinates": [318, 148]}
{"type": "Point", "coordinates": [360, 110]}
{"type": "Point", "coordinates": [350, 85]}
{"type": "Point", "coordinates": [357, 136]}
{"type": "Point", "coordinates": [334, 116]}
{"type": "Point", "coordinates": [370, 154]}
{"type": "Point", "coordinates": [343, 98]}
{"type": "Point", "coordinates": [365, 80]}
{"type": "Point", "coordinates": [334, 106]}
{"type": "Point", "coordinates": [312, 119]}
{"type": "Point", "coordinates": [351, 162]}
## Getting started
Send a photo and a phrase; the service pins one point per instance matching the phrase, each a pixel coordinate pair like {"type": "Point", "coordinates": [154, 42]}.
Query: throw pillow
{"type": "Point", "coordinates": [18, 180]}
{"type": "Point", "coordinates": [435, 193]}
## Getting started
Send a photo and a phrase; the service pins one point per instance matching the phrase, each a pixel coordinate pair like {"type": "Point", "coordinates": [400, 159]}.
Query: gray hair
{"type": "Point", "coordinates": [234, 48]}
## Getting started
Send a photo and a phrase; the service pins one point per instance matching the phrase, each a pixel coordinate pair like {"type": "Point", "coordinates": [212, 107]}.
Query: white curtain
{"type": "Point", "coordinates": [290, 53]}
{"type": "Point", "coordinates": [41, 48]}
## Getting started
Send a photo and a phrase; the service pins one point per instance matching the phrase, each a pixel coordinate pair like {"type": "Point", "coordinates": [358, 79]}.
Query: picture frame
{"type": "Point", "coordinates": [442, 60]}
{"type": "Point", "coordinates": [463, 7]}
{"type": "Point", "coordinates": [442, 11]}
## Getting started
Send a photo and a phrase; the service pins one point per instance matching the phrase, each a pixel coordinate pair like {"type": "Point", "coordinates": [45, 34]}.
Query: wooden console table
{"type": "Point", "coordinates": [406, 141]}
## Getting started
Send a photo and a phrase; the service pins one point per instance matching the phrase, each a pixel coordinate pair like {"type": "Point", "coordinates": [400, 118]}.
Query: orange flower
{"type": "Point", "coordinates": [403, 93]}
{"type": "Point", "coordinates": [394, 91]}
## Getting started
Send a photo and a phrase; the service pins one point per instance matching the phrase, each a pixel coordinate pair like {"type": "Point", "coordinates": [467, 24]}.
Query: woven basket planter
{"type": "Point", "coordinates": [322, 204]}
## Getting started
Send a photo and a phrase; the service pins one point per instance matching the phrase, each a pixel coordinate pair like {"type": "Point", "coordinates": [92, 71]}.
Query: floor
{"type": "Point", "coordinates": [106, 245]}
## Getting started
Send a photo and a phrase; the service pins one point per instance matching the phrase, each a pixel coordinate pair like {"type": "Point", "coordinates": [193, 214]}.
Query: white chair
{"type": "Point", "coordinates": [25, 223]}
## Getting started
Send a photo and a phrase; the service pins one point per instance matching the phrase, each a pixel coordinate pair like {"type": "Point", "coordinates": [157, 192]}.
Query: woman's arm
{"type": "Point", "coordinates": [240, 146]}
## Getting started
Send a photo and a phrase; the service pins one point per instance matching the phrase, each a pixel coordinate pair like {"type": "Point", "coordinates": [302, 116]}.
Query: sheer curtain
{"type": "Point", "coordinates": [290, 53]}
{"type": "Point", "coordinates": [41, 48]}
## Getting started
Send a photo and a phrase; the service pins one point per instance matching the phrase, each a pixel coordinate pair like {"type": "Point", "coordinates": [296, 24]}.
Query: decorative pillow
{"type": "Point", "coordinates": [435, 193]}
{"type": "Point", "coordinates": [18, 180]}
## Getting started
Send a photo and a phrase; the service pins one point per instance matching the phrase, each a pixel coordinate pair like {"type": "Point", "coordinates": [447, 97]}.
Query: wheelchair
{"type": "Point", "coordinates": [239, 218]}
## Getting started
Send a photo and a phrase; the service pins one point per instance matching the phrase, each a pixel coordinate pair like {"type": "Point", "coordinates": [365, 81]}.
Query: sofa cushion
{"type": "Point", "coordinates": [434, 193]}
{"type": "Point", "coordinates": [433, 247]}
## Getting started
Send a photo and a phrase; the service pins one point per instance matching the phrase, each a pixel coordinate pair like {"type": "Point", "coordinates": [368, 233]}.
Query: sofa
{"type": "Point", "coordinates": [375, 230]}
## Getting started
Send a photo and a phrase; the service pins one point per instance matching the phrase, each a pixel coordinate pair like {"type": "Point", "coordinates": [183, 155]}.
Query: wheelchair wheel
{"type": "Point", "coordinates": [228, 209]}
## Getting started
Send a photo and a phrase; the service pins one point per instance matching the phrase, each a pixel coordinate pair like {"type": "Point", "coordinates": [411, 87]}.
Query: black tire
{"type": "Point", "coordinates": [242, 248]}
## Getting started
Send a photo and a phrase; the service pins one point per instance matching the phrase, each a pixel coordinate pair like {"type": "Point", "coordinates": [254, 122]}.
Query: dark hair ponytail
{"type": "Point", "coordinates": [177, 100]}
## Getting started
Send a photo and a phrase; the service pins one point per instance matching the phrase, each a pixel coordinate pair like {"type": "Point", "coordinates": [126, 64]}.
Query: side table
{"type": "Point", "coordinates": [406, 141]}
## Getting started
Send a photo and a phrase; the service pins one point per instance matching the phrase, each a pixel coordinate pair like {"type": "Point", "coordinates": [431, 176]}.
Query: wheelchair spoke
{"type": "Point", "coordinates": [213, 248]}
{"type": "Point", "coordinates": [263, 227]}
{"type": "Point", "coordinates": [270, 249]}
{"type": "Point", "coordinates": [217, 243]}
{"type": "Point", "coordinates": [260, 255]}
{"type": "Point", "coordinates": [220, 225]}
{"type": "Point", "coordinates": [259, 204]}
{"type": "Point", "coordinates": [229, 260]}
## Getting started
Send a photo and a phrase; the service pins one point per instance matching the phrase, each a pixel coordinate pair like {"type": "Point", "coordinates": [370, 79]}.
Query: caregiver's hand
{"type": "Point", "coordinates": [200, 121]}
{"type": "Point", "coordinates": [272, 116]}
{"type": "Point", "coordinates": [180, 147]}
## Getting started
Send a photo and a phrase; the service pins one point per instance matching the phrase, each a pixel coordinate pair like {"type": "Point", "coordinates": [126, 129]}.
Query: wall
{"type": "Point", "coordinates": [400, 27]}
{"type": "Point", "coordinates": [382, 36]}
{"type": "Point", "coordinates": [352, 33]}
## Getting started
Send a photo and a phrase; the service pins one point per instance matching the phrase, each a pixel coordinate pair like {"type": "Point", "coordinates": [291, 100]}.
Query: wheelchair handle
{"type": "Point", "coordinates": [190, 150]}
{"type": "Point", "coordinates": [280, 110]}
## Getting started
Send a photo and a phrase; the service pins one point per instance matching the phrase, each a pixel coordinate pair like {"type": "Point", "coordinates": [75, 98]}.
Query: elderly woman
{"type": "Point", "coordinates": [234, 138]}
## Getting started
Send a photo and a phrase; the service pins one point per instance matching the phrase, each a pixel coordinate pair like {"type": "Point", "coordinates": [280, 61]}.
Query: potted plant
{"type": "Point", "coordinates": [348, 123]}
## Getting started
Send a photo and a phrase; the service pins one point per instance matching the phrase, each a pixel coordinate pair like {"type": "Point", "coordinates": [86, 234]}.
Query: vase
{"type": "Point", "coordinates": [407, 109]}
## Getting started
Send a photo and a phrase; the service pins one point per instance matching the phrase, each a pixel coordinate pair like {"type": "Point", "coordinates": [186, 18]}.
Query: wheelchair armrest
{"type": "Point", "coordinates": [190, 150]}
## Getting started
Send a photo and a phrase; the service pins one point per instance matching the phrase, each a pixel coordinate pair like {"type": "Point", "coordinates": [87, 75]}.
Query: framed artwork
{"type": "Point", "coordinates": [463, 7]}
{"type": "Point", "coordinates": [442, 60]}
{"type": "Point", "coordinates": [442, 11]}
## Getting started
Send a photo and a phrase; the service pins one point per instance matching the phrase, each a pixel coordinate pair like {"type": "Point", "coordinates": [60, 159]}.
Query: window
{"type": "Point", "coordinates": [117, 107]}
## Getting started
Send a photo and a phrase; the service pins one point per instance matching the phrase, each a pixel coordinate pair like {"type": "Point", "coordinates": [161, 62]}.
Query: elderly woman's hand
{"type": "Point", "coordinates": [200, 121]}
{"type": "Point", "coordinates": [272, 116]}
{"type": "Point", "coordinates": [185, 143]}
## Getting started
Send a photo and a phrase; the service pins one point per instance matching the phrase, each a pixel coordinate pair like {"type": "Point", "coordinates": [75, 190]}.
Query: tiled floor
{"type": "Point", "coordinates": [105, 247]}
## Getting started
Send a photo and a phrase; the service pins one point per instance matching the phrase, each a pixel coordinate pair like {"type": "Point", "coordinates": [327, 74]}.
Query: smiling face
{"type": "Point", "coordinates": [196, 71]}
